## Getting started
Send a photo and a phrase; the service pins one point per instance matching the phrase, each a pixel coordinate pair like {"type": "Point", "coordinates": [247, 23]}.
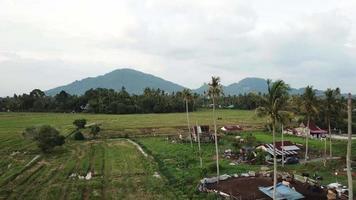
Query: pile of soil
{"type": "Point", "coordinates": [247, 188]}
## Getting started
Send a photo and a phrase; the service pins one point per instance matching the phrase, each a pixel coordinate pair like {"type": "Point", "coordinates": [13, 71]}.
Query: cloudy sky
{"type": "Point", "coordinates": [47, 43]}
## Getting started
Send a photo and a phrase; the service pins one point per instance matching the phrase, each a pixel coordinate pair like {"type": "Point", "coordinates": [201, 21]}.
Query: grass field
{"type": "Point", "coordinates": [120, 170]}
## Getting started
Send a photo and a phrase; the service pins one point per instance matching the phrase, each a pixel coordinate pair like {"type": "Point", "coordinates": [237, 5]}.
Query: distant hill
{"type": "Point", "coordinates": [250, 85]}
{"type": "Point", "coordinates": [134, 82]}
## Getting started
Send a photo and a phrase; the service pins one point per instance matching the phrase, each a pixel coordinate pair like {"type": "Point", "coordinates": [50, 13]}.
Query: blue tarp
{"type": "Point", "coordinates": [282, 192]}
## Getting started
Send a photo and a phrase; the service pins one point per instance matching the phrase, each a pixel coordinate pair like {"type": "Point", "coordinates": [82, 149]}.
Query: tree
{"type": "Point", "coordinates": [349, 142]}
{"type": "Point", "coordinates": [78, 135]}
{"type": "Point", "coordinates": [215, 90]}
{"type": "Point", "coordinates": [80, 123]}
{"type": "Point", "coordinates": [286, 119]}
{"type": "Point", "coordinates": [273, 103]}
{"type": "Point", "coordinates": [95, 129]}
{"type": "Point", "coordinates": [332, 110]}
{"type": "Point", "coordinates": [48, 138]}
{"type": "Point", "coordinates": [187, 94]}
{"type": "Point", "coordinates": [309, 106]}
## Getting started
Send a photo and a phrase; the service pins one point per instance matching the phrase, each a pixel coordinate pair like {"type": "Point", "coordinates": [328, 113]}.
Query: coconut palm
{"type": "Point", "coordinates": [273, 103]}
{"type": "Point", "coordinates": [215, 90]}
{"type": "Point", "coordinates": [286, 119]}
{"type": "Point", "coordinates": [349, 141]}
{"type": "Point", "coordinates": [331, 109]}
{"type": "Point", "coordinates": [187, 94]}
{"type": "Point", "coordinates": [309, 107]}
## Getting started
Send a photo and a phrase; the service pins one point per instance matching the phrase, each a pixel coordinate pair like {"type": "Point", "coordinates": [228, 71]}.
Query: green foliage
{"type": "Point", "coordinates": [30, 133]}
{"type": "Point", "coordinates": [250, 140]}
{"type": "Point", "coordinates": [48, 138]}
{"type": "Point", "coordinates": [260, 157]}
{"type": "Point", "coordinates": [94, 130]}
{"type": "Point", "coordinates": [78, 136]}
{"type": "Point", "coordinates": [80, 123]}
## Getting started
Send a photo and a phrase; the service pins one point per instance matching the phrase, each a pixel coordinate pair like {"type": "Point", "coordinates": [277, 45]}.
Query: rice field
{"type": "Point", "coordinates": [118, 170]}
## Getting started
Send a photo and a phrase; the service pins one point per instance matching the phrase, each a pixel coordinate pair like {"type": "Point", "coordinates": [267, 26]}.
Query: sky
{"type": "Point", "coordinates": [49, 43]}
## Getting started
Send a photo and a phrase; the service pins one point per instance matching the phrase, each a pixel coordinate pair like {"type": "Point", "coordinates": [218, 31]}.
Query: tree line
{"type": "Point", "coordinates": [98, 100]}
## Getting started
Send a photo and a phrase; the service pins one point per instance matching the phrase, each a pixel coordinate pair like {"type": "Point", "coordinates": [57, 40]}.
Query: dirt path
{"type": "Point", "coordinates": [138, 147]}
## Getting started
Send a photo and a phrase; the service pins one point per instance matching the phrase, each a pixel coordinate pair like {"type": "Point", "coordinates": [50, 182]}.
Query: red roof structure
{"type": "Point", "coordinates": [314, 129]}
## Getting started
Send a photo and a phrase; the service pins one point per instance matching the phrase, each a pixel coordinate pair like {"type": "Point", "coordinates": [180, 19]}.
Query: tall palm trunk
{"type": "Point", "coordinates": [216, 142]}
{"type": "Point", "coordinates": [307, 139]}
{"type": "Point", "coordinates": [282, 147]}
{"type": "Point", "coordinates": [198, 134]}
{"type": "Point", "coordinates": [349, 142]}
{"type": "Point", "coordinates": [274, 159]}
{"type": "Point", "coordinates": [331, 152]}
{"type": "Point", "coordinates": [190, 134]}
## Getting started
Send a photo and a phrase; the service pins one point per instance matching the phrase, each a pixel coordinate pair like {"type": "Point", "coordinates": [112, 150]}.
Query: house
{"type": "Point", "coordinates": [315, 131]}
{"type": "Point", "coordinates": [205, 134]}
{"type": "Point", "coordinates": [288, 149]}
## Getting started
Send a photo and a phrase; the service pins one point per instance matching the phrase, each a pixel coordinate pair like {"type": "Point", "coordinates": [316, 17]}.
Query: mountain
{"type": "Point", "coordinates": [251, 85]}
{"type": "Point", "coordinates": [246, 85]}
{"type": "Point", "coordinates": [134, 82]}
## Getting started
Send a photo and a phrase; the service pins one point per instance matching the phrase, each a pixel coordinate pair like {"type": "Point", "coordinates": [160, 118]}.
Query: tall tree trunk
{"type": "Point", "coordinates": [216, 142]}
{"type": "Point", "coordinates": [198, 134]}
{"type": "Point", "coordinates": [329, 127]}
{"type": "Point", "coordinates": [307, 139]}
{"type": "Point", "coordinates": [282, 147]}
{"type": "Point", "coordinates": [325, 139]}
{"type": "Point", "coordinates": [349, 142]}
{"type": "Point", "coordinates": [274, 159]}
{"type": "Point", "coordinates": [190, 134]}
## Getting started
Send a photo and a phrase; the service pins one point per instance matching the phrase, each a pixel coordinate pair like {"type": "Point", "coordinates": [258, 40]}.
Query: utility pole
{"type": "Point", "coordinates": [349, 142]}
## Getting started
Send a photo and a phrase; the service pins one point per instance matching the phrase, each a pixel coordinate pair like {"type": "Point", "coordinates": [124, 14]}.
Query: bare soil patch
{"type": "Point", "coordinates": [247, 188]}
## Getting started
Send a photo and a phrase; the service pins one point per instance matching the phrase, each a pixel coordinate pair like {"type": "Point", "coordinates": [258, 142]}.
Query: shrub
{"type": "Point", "coordinates": [260, 157]}
{"type": "Point", "coordinates": [78, 136]}
{"type": "Point", "coordinates": [80, 123]}
{"type": "Point", "coordinates": [212, 167]}
{"type": "Point", "coordinates": [30, 133]}
{"type": "Point", "coordinates": [48, 137]}
{"type": "Point", "coordinates": [95, 129]}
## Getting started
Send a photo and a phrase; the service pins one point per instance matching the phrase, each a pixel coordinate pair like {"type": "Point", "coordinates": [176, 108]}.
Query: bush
{"type": "Point", "coordinates": [260, 157]}
{"type": "Point", "coordinates": [78, 136]}
{"type": "Point", "coordinates": [95, 129]}
{"type": "Point", "coordinates": [30, 133]}
{"type": "Point", "coordinates": [48, 137]}
{"type": "Point", "coordinates": [80, 123]}
{"type": "Point", "coordinates": [212, 167]}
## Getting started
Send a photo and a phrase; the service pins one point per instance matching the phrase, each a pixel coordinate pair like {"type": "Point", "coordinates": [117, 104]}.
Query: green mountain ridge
{"type": "Point", "coordinates": [135, 82]}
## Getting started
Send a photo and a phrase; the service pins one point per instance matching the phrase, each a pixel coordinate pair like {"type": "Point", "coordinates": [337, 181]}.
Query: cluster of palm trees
{"type": "Point", "coordinates": [274, 107]}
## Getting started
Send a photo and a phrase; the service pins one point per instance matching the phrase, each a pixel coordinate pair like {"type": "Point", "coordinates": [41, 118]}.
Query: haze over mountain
{"type": "Point", "coordinates": [135, 82]}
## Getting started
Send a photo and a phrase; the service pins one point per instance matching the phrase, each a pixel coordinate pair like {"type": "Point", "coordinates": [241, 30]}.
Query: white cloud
{"type": "Point", "coordinates": [184, 41]}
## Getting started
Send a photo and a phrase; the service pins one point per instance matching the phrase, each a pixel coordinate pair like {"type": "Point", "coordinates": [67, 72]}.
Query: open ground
{"type": "Point", "coordinates": [119, 168]}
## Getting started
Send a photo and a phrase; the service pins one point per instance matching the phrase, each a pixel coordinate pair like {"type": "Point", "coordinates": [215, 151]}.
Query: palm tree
{"type": "Point", "coordinates": [215, 90]}
{"type": "Point", "coordinates": [187, 94]}
{"type": "Point", "coordinates": [286, 119]}
{"type": "Point", "coordinates": [309, 106]}
{"type": "Point", "coordinates": [349, 141]}
{"type": "Point", "coordinates": [273, 103]}
{"type": "Point", "coordinates": [332, 108]}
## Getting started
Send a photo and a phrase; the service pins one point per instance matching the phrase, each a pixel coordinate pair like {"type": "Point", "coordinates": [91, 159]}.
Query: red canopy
{"type": "Point", "coordinates": [314, 129]}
